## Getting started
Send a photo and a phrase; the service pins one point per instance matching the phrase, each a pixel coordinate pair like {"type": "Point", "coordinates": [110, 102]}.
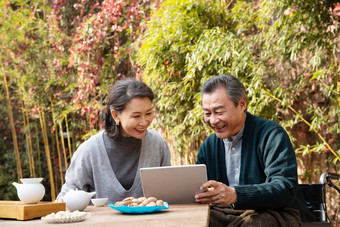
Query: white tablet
{"type": "Point", "coordinates": [173, 184]}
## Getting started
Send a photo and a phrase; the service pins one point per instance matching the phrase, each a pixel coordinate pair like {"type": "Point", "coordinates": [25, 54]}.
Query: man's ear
{"type": "Point", "coordinates": [243, 103]}
{"type": "Point", "coordinates": [115, 116]}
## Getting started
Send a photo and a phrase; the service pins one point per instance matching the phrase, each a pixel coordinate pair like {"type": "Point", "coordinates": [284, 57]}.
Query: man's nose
{"type": "Point", "coordinates": [214, 119]}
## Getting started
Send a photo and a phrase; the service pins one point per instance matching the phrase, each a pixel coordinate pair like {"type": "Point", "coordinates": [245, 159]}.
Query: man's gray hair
{"type": "Point", "coordinates": [233, 86]}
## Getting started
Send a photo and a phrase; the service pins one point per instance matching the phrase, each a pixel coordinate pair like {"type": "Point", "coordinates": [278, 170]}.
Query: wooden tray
{"type": "Point", "coordinates": [21, 211]}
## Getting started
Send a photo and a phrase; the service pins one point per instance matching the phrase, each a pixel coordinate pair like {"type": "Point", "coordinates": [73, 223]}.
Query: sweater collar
{"type": "Point", "coordinates": [234, 139]}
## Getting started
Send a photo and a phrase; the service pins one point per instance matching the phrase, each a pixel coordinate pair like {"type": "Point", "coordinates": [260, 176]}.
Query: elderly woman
{"type": "Point", "coordinates": [109, 161]}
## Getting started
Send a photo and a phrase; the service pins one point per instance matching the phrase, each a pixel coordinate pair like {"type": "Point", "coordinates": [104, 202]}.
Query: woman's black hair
{"type": "Point", "coordinates": [122, 92]}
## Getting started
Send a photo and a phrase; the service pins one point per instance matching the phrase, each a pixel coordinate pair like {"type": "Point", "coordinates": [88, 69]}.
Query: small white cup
{"type": "Point", "coordinates": [99, 202]}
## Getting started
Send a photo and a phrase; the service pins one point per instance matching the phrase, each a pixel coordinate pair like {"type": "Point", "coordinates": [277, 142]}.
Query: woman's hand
{"type": "Point", "coordinates": [216, 193]}
{"type": "Point", "coordinates": [59, 201]}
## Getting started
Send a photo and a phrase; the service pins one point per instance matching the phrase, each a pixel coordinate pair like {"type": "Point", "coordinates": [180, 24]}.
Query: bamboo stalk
{"type": "Point", "coordinates": [73, 135]}
{"type": "Point", "coordinates": [59, 160]}
{"type": "Point", "coordinates": [26, 136]}
{"type": "Point", "coordinates": [14, 134]}
{"type": "Point", "coordinates": [47, 152]}
{"type": "Point", "coordinates": [63, 143]}
{"type": "Point", "coordinates": [228, 4]}
{"type": "Point", "coordinates": [58, 148]}
{"type": "Point", "coordinates": [73, 140]}
{"type": "Point", "coordinates": [30, 145]}
{"type": "Point", "coordinates": [38, 148]}
{"type": "Point", "coordinates": [27, 133]}
{"type": "Point", "coordinates": [54, 167]}
{"type": "Point", "coordinates": [68, 137]}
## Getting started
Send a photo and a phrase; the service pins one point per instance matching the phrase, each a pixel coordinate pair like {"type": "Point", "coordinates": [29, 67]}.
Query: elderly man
{"type": "Point", "coordinates": [250, 161]}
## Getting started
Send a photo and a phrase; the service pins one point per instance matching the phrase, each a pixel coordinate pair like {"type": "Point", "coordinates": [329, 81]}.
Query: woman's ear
{"type": "Point", "coordinates": [115, 116]}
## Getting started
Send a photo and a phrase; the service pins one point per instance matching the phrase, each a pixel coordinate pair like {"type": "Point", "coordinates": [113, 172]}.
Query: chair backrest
{"type": "Point", "coordinates": [313, 194]}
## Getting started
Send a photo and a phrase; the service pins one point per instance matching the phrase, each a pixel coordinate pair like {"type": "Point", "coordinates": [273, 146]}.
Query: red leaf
{"type": "Point", "coordinates": [336, 10]}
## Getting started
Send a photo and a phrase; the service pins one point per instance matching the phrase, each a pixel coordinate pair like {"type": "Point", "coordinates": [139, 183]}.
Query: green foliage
{"type": "Point", "coordinates": [60, 58]}
{"type": "Point", "coordinates": [283, 51]}
{"type": "Point", "coordinates": [30, 62]}
{"type": "Point", "coordinates": [172, 34]}
{"type": "Point", "coordinates": [7, 190]}
{"type": "Point", "coordinates": [7, 159]}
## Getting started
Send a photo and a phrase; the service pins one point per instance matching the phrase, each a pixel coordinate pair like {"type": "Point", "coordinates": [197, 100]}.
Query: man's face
{"type": "Point", "coordinates": [221, 114]}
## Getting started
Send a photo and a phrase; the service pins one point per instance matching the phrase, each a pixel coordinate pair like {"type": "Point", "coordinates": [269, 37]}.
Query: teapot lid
{"type": "Point", "coordinates": [31, 180]}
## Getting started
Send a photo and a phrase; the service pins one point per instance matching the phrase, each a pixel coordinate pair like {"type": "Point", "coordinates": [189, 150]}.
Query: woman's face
{"type": "Point", "coordinates": [135, 118]}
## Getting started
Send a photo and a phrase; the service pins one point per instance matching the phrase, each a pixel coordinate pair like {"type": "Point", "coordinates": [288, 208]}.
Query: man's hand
{"type": "Point", "coordinates": [216, 193]}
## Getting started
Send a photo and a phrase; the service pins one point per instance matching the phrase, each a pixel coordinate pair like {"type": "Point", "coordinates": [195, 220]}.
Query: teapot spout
{"type": "Point", "coordinates": [91, 194]}
{"type": "Point", "coordinates": [15, 185]}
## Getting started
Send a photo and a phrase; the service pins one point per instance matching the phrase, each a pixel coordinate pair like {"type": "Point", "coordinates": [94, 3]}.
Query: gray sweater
{"type": "Point", "coordinates": [91, 170]}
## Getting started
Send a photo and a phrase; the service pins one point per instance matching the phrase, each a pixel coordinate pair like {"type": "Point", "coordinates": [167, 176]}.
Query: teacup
{"type": "Point", "coordinates": [99, 202]}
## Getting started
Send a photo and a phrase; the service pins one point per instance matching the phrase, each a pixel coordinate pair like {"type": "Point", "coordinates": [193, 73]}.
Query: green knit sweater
{"type": "Point", "coordinates": [268, 174]}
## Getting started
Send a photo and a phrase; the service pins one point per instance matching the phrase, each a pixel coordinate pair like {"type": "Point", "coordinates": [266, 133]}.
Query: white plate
{"type": "Point", "coordinates": [66, 217]}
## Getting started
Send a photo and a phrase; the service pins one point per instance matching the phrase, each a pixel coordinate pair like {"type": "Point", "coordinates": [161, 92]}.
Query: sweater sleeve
{"type": "Point", "coordinates": [166, 157]}
{"type": "Point", "coordinates": [157, 150]}
{"type": "Point", "coordinates": [201, 156]}
{"type": "Point", "coordinates": [212, 154]}
{"type": "Point", "coordinates": [79, 174]}
{"type": "Point", "coordinates": [276, 157]}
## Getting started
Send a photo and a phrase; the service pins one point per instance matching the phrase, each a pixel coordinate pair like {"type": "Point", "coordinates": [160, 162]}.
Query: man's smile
{"type": "Point", "coordinates": [218, 128]}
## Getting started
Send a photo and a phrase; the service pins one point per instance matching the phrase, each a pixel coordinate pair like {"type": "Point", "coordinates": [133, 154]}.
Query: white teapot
{"type": "Point", "coordinates": [31, 190]}
{"type": "Point", "coordinates": [77, 199]}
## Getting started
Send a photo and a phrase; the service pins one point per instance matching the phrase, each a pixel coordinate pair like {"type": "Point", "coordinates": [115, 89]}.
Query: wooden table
{"type": "Point", "coordinates": [177, 215]}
